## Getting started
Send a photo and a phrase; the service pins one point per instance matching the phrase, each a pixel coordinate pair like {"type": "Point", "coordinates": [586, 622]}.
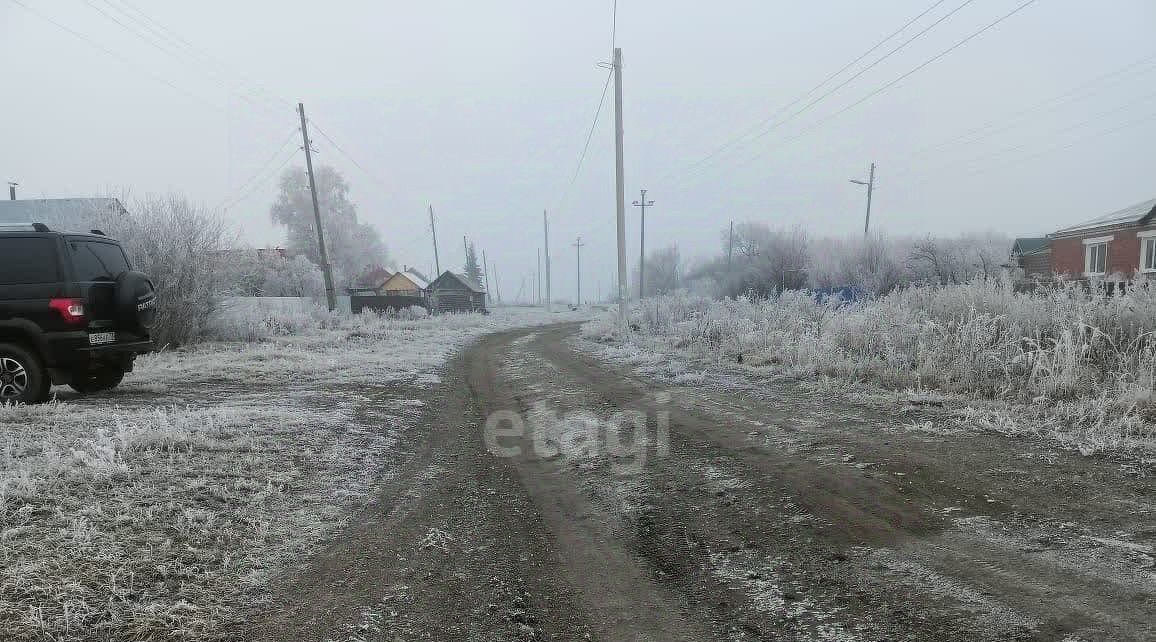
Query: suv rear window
{"type": "Point", "coordinates": [96, 260]}
{"type": "Point", "coordinates": [28, 260]}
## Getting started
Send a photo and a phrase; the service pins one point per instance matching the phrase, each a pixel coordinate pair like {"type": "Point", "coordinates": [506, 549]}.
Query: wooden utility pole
{"type": "Point", "coordinates": [620, 191]}
{"type": "Point", "coordinates": [326, 269]}
{"type": "Point", "coordinates": [486, 274]}
{"type": "Point", "coordinates": [546, 234]}
{"type": "Point", "coordinates": [578, 245]}
{"type": "Point", "coordinates": [642, 246]}
{"type": "Point", "coordinates": [434, 233]}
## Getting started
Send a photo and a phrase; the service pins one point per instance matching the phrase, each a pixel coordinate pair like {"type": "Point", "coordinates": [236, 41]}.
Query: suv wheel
{"type": "Point", "coordinates": [105, 378]}
{"type": "Point", "coordinates": [23, 378]}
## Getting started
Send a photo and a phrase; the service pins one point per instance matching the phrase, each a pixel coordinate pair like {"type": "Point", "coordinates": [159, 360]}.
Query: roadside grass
{"type": "Point", "coordinates": [1062, 362]}
{"type": "Point", "coordinates": [164, 509]}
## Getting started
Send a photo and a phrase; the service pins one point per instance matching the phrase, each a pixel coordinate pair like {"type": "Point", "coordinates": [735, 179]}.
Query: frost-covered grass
{"type": "Point", "coordinates": [162, 509]}
{"type": "Point", "coordinates": [1081, 364]}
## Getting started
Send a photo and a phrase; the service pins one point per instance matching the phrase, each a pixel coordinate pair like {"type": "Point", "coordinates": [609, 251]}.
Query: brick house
{"type": "Point", "coordinates": [1113, 248]}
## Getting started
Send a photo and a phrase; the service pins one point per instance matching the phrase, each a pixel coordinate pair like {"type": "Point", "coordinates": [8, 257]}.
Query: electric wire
{"type": "Point", "coordinates": [242, 187]}
{"type": "Point", "coordinates": [890, 84]}
{"type": "Point", "coordinates": [260, 183]}
{"type": "Point", "coordinates": [170, 53]}
{"type": "Point", "coordinates": [95, 44]}
{"type": "Point", "coordinates": [758, 126]}
{"type": "Point", "coordinates": [197, 53]}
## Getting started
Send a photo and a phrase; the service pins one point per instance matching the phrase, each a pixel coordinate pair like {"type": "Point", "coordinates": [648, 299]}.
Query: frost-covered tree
{"type": "Point", "coordinates": [472, 269]}
{"type": "Point", "coordinates": [663, 271]}
{"type": "Point", "coordinates": [293, 276]}
{"type": "Point", "coordinates": [352, 245]}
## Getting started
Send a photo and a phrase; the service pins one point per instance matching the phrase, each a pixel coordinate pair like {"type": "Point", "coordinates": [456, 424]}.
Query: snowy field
{"type": "Point", "coordinates": [163, 509]}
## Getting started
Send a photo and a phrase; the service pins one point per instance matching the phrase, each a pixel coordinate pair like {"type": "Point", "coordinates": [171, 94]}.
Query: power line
{"type": "Point", "coordinates": [741, 137]}
{"type": "Point", "coordinates": [890, 84]}
{"type": "Point", "coordinates": [205, 58]}
{"type": "Point", "coordinates": [562, 200]}
{"type": "Point", "coordinates": [119, 57]}
{"type": "Point", "coordinates": [168, 52]}
{"type": "Point", "coordinates": [373, 177]}
{"type": "Point", "coordinates": [1089, 88]}
{"type": "Point", "coordinates": [983, 163]}
{"type": "Point", "coordinates": [260, 183]}
{"type": "Point", "coordinates": [1045, 105]}
{"type": "Point", "coordinates": [613, 28]}
{"type": "Point", "coordinates": [586, 146]}
{"type": "Point", "coordinates": [292, 134]}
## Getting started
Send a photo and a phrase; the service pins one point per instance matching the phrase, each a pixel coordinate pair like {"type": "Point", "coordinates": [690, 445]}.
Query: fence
{"type": "Point", "coordinates": [389, 303]}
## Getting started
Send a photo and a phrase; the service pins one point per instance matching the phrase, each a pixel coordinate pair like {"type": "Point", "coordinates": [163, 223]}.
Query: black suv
{"type": "Point", "coordinates": [72, 311]}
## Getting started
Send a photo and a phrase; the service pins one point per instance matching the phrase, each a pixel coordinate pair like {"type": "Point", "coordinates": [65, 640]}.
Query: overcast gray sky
{"type": "Point", "coordinates": [481, 108]}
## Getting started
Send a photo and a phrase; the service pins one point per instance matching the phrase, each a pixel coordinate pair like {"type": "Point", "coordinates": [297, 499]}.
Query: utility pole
{"type": "Point", "coordinates": [486, 274]}
{"type": "Point", "coordinates": [578, 245]}
{"type": "Point", "coordinates": [642, 245]}
{"type": "Point", "coordinates": [870, 183]}
{"type": "Point", "coordinates": [326, 269]}
{"type": "Point", "coordinates": [434, 232]}
{"type": "Point", "coordinates": [620, 191]}
{"type": "Point", "coordinates": [730, 246]}
{"type": "Point", "coordinates": [546, 233]}
{"type": "Point", "coordinates": [12, 190]}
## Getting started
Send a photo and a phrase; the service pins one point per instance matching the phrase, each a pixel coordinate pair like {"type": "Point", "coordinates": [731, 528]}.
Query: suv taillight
{"type": "Point", "coordinates": [72, 310]}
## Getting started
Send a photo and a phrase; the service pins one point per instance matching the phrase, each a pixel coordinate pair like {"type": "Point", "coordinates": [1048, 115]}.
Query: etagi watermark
{"type": "Point", "coordinates": [625, 437]}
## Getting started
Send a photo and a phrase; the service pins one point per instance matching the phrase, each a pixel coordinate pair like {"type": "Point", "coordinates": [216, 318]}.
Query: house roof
{"type": "Point", "coordinates": [1030, 245]}
{"type": "Point", "coordinates": [418, 279]}
{"type": "Point", "coordinates": [1135, 214]}
{"type": "Point", "coordinates": [61, 214]}
{"type": "Point", "coordinates": [409, 277]}
{"type": "Point", "coordinates": [461, 278]}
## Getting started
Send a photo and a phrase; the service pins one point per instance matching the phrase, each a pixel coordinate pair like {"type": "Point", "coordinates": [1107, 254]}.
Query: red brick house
{"type": "Point", "coordinates": [1114, 247]}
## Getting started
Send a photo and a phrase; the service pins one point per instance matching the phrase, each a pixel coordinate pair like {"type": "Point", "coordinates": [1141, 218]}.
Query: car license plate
{"type": "Point", "coordinates": [101, 338]}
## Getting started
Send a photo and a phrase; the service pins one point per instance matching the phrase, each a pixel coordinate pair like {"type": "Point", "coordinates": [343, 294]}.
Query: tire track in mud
{"type": "Point", "coordinates": [994, 585]}
{"type": "Point", "coordinates": [763, 517]}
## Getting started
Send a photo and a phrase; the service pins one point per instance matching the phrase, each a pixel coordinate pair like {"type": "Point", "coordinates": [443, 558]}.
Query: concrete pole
{"type": "Point", "coordinates": [546, 235]}
{"type": "Point", "coordinates": [620, 189]}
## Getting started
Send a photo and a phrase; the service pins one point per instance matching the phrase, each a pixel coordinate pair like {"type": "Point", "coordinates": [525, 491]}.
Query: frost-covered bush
{"type": "Point", "coordinates": [176, 242]}
{"type": "Point", "coordinates": [258, 319]}
{"type": "Point", "coordinates": [976, 338]}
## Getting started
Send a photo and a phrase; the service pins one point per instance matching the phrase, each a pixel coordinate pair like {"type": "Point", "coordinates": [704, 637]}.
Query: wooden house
{"type": "Point", "coordinates": [452, 292]}
{"type": "Point", "coordinates": [407, 283]}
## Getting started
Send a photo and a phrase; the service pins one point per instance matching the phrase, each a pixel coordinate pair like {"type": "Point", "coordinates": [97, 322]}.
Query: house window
{"type": "Point", "coordinates": [1096, 256]}
{"type": "Point", "coordinates": [1148, 253]}
{"type": "Point", "coordinates": [1095, 259]}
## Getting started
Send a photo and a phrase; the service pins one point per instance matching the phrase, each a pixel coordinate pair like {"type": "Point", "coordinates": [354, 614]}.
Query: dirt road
{"type": "Point", "coordinates": [739, 516]}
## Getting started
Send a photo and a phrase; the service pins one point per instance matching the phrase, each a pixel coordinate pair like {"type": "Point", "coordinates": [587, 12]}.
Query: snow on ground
{"type": "Point", "coordinates": [164, 508]}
